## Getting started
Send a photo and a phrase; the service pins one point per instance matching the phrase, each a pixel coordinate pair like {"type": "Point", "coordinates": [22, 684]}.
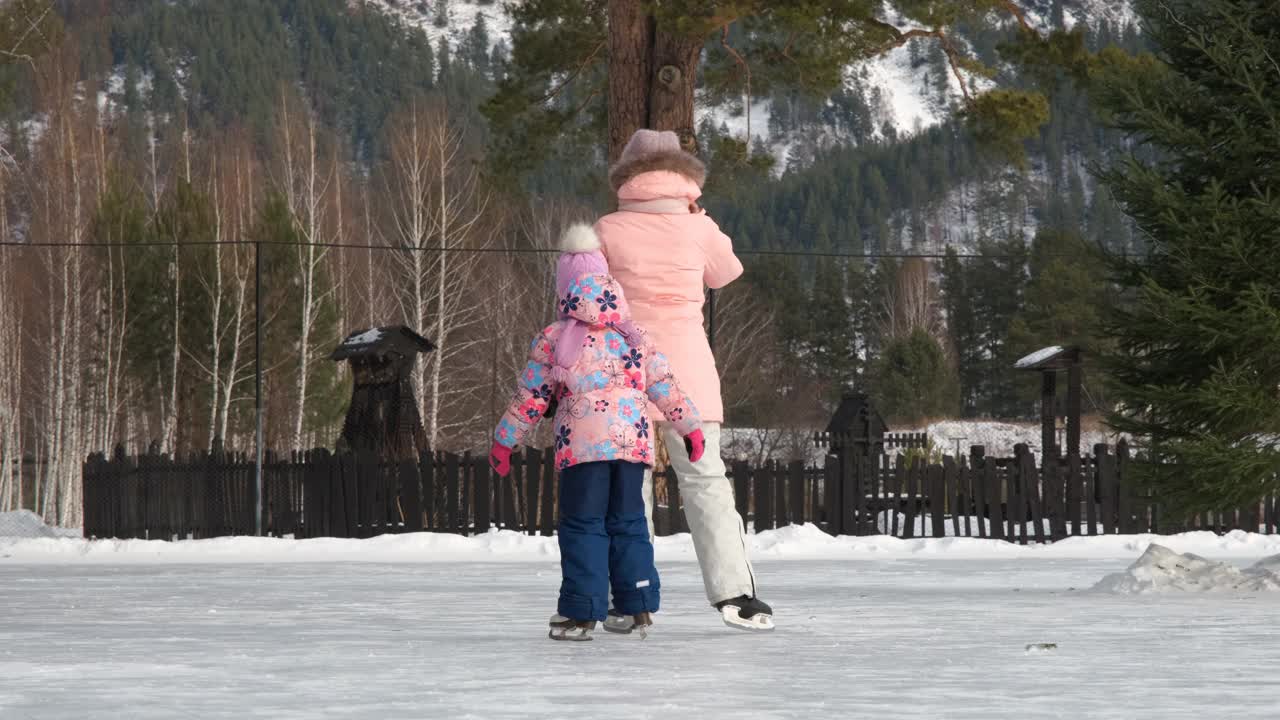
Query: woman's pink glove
{"type": "Point", "coordinates": [696, 445]}
{"type": "Point", "coordinates": [500, 459]}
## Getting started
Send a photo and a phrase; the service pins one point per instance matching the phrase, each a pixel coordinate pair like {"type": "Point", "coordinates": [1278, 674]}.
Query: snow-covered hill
{"type": "Point", "coordinates": [902, 96]}
{"type": "Point", "coordinates": [453, 21]}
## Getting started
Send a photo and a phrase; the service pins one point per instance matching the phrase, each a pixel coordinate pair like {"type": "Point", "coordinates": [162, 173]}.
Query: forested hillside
{"type": "Point", "coordinates": [150, 143]}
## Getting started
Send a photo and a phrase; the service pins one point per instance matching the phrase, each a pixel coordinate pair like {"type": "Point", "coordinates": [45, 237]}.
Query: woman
{"type": "Point", "coordinates": [663, 250]}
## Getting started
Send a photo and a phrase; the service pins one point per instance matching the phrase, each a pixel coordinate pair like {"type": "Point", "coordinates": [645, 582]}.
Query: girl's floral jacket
{"type": "Point", "coordinates": [601, 407]}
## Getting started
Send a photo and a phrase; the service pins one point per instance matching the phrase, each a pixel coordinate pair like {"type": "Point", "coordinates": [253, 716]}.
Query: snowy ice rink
{"type": "Point", "coordinates": [432, 627]}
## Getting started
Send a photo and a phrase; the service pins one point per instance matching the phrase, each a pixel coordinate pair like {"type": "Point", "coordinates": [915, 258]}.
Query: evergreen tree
{"type": "Point", "coordinates": [832, 337]}
{"type": "Point", "coordinates": [1066, 299]}
{"type": "Point", "coordinates": [962, 330]}
{"type": "Point", "coordinates": [997, 283]}
{"type": "Point", "coordinates": [913, 381]}
{"type": "Point", "coordinates": [475, 47]}
{"type": "Point", "coordinates": [1066, 296]}
{"type": "Point", "coordinates": [654, 53]}
{"type": "Point", "coordinates": [1195, 368]}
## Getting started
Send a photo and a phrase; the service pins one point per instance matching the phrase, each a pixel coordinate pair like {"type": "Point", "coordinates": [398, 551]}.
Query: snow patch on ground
{"type": "Point", "coordinates": [795, 541]}
{"type": "Point", "coordinates": [26, 524]}
{"type": "Point", "coordinates": [759, 445]}
{"type": "Point", "coordinates": [1161, 570]}
{"type": "Point", "coordinates": [997, 437]}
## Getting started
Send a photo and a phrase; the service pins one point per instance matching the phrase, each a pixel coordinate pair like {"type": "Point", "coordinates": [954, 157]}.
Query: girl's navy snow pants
{"type": "Point", "coordinates": [604, 541]}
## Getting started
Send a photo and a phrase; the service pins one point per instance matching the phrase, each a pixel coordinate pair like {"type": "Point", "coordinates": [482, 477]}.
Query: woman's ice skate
{"type": "Point", "coordinates": [746, 613]}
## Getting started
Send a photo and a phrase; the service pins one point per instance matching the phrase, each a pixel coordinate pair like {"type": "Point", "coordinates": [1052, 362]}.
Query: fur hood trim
{"type": "Point", "coordinates": [681, 163]}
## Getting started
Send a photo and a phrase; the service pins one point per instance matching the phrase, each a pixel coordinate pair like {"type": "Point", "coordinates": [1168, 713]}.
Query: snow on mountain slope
{"type": "Point", "coordinates": [461, 16]}
{"type": "Point", "coordinates": [1118, 13]}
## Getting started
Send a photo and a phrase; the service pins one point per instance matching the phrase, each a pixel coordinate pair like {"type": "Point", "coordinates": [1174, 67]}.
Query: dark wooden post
{"type": "Point", "coordinates": [834, 508]}
{"type": "Point", "coordinates": [1048, 413]}
{"type": "Point", "coordinates": [1075, 381]}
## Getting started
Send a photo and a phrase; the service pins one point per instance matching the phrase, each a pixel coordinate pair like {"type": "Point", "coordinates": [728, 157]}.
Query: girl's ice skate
{"type": "Point", "coordinates": [568, 629]}
{"type": "Point", "coordinates": [627, 624]}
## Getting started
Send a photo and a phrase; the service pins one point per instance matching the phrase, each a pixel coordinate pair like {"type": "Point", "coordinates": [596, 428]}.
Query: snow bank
{"type": "Point", "coordinates": [26, 524]}
{"type": "Point", "coordinates": [794, 542]}
{"type": "Point", "coordinates": [1161, 570]}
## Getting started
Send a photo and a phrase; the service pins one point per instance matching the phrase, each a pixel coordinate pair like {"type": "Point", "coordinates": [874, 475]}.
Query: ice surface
{"type": "Point", "coordinates": [1161, 570]}
{"type": "Point", "coordinates": [858, 638]}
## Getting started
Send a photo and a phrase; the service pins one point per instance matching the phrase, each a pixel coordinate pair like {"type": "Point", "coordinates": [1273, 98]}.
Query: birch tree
{"type": "Point", "coordinates": [222, 273]}
{"type": "Point", "coordinates": [308, 178]}
{"type": "Point", "coordinates": [10, 361]}
{"type": "Point", "coordinates": [437, 214]}
{"type": "Point", "coordinates": [64, 190]}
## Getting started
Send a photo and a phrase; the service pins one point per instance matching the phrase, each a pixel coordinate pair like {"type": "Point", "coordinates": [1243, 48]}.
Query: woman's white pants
{"type": "Point", "coordinates": [718, 536]}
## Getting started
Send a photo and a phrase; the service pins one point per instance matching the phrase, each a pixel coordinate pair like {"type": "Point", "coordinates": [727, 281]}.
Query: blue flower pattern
{"type": "Point", "coordinates": [532, 377]}
{"type": "Point", "coordinates": [595, 381]}
{"type": "Point", "coordinates": [604, 451]}
{"type": "Point", "coordinates": [563, 437]}
{"type": "Point", "coordinates": [607, 301]}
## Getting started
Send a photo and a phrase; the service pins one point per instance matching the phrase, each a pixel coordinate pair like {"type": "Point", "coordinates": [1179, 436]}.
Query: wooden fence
{"type": "Point", "coordinates": [317, 494]}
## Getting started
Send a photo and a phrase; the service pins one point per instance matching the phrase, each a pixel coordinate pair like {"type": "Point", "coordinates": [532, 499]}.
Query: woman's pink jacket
{"type": "Point", "coordinates": [663, 255]}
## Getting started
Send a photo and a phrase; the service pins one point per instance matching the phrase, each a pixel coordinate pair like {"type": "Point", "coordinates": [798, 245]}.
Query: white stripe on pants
{"type": "Point", "coordinates": [718, 536]}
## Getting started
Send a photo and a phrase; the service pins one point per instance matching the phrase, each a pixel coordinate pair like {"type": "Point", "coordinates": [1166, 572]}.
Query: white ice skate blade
{"type": "Point", "coordinates": [619, 624]}
{"type": "Point", "coordinates": [756, 623]}
{"type": "Point", "coordinates": [570, 635]}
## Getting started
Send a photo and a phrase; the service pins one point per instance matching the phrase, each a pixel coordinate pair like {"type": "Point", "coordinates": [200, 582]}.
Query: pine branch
{"type": "Point", "coordinates": [1020, 14]}
{"type": "Point", "coordinates": [902, 37]}
{"type": "Point", "coordinates": [555, 92]}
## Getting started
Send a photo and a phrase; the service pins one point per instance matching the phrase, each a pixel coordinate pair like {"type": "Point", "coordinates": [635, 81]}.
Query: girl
{"type": "Point", "coordinates": [600, 370]}
{"type": "Point", "coordinates": [663, 249]}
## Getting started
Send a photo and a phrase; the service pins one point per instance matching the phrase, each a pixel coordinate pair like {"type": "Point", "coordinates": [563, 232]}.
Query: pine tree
{"type": "Point", "coordinates": [832, 338]}
{"type": "Point", "coordinates": [962, 329]}
{"type": "Point", "coordinates": [1065, 298]}
{"type": "Point", "coordinates": [997, 281]}
{"type": "Point", "coordinates": [1195, 367]}
{"type": "Point", "coordinates": [475, 47]}
{"type": "Point", "coordinates": [913, 380]}
{"type": "Point", "coordinates": [653, 55]}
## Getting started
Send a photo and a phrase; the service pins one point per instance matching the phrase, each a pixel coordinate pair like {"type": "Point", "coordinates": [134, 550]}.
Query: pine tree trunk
{"type": "Point", "coordinates": [630, 53]}
{"type": "Point", "coordinates": [652, 74]}
{"type": "Point", "coordinates": [675, 73]}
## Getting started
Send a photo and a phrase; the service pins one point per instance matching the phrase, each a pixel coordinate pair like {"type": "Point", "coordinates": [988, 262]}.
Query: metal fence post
{"type": "Point", "coordinates": [257, 384]}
